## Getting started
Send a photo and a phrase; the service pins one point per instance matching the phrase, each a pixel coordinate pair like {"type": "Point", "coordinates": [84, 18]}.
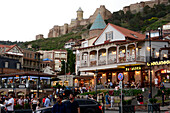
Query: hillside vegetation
{"type": "Point", "coordinates": [149, 19]}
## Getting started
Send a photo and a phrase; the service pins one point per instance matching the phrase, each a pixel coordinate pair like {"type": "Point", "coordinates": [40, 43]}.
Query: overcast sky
{"type": "Point", "coordinates": [22, 20]}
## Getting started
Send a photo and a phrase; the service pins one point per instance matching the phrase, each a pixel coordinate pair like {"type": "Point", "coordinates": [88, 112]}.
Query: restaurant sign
{"type": "Point", "coordinates": [135, 68]}
{"type": "Point", "coordinates": [156, 63]}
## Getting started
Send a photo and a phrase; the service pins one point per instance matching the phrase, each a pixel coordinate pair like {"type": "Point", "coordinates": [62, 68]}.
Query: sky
{"type": "Point", "coordinates": [22, 20]}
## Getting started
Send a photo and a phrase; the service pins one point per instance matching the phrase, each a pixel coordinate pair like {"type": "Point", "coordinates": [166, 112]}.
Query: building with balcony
{"type": "Point", "coordinates": [55, 55]}
{"type": "Point", "coordinates": [31, 60]}
{"type": "Point", "coordinates": [119, 50]}
{"type": "Point", "coordinates": [26, 83]}
{"type": "Point", "coordinates": [12, 52]}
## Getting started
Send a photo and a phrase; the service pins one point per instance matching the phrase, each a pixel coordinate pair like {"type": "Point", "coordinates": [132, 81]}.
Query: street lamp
{"type": "Point", "coordinates": [96, 73]}
{"type": "Point", "coordinates": [150, 58]}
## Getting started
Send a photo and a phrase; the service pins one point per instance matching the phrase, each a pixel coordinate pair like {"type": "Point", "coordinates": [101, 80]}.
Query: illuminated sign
{"type": "Point", "coordinates": [156, 63]}
{"type": "Point", "coordinates": [136, 68]}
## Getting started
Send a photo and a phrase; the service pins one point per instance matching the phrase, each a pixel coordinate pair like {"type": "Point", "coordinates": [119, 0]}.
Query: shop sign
{"type": "Point", "coordinates": [156, 63]}
{"type": "Point", "coordinates": [21, 86]}
{"type": "Point", "coordinates": [136, 68]}
{"type": "Point", "coordinates": [21, 93]}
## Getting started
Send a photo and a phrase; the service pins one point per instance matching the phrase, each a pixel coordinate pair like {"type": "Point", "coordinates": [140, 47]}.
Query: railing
{"type": "Point", "coordinates": [84, 64]}
{"type": "Point", "coordinates": [122, 59]}
{"type": "Point", "coordinates": [102, 62]}
{"type": "Point", "coordinates": [112, 61]}
{"type": "Point", "coordinates": [130, 58]}
{"type": "Point", "coordinates": [93, 63]}
{"type": "Point", "coordinates": [140, 58]}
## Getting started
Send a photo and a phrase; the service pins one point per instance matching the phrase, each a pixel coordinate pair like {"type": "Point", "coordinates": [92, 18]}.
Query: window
{"type": "Point", "coordinates": [18, 65]}
{"type": "Point", "coordinates": [109, 35]}
{"type": "Point", "coordinates": [6, 64]}
{"type": "Point", "coordinates": [30, 55]}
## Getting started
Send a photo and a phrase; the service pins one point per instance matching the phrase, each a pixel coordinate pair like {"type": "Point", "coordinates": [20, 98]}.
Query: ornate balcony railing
{"type": "Point", "coordinates": [130, 58]}
{"type": "Point", "coordinates": [122, 59]}
{"type": "Point", "coordinates": [84, 63]}
{"type": "Point", "coordinates": [102, 62]}
{"type": "Point", "coordinates": [140, 58]}
{"type": "Point", "coordinates": [93, 63]}
{"type": "Point", "coordinates": [112, 61]}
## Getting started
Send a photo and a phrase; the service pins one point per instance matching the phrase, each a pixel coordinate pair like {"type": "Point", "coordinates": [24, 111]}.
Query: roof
{"type": "Point", "coordinates": [79, 9]}
{"type": "Point", "coordinates": [126, 32]}
{"type": "Point", "coordinates": [28, 74]}
{"type": "Point", "coordinates": [9, 47]}
{"type": "Point", "coordinates": [98, 23]}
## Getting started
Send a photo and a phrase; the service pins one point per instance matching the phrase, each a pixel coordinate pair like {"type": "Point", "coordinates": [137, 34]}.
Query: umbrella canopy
{"type": "Point", "coordinates": [47, 59]}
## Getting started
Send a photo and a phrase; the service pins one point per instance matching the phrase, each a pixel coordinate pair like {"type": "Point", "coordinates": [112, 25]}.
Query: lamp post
{"type": "Point", "coordinates": [150, 64]}
{"type": "Point", "coordinates": [96, 73]}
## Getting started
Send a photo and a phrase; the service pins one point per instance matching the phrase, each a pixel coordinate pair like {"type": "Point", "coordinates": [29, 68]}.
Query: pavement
{"type": "Point", "coordinates": [165, 109]}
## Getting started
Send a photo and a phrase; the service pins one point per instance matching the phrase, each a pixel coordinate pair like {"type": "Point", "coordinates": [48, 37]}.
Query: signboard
{"type": "Point", "coordinates": [120, 76]}
{"type": "Point", "coordinates": [157, 63]}
{"type": "Point", "coordinates": [21, 86]}
{"type": "Point", "coordinates": [136, 68]}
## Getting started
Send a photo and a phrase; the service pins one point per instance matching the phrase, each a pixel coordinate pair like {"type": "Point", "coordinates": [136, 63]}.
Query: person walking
{"type": "Point", "coordinates": [140, 98]}
{"type": "Point", "coordinates": [72, 105]}
{"type": "Point", "coordinates": [59, 107]}
{"type": "Point", "coordinates": [10, 105]}
{"type": "Point", "coordinates": [34, 104]}
{"type": "Point", "coordinates": [47, 102]}
{"type": "Point", "coordinates": [163, 97]}
{"type": "Point", "coordinates": [21, 102]}
{"type": "Point", "coordinates": [107, 100]}
{"type": "Point", "coordinates": [112, 100]}
{"type": "Point", "coordinates": [156, 82]}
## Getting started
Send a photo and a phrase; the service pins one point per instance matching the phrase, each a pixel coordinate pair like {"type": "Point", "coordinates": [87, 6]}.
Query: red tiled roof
{"type": "Point", "coordinates": [126, 32]}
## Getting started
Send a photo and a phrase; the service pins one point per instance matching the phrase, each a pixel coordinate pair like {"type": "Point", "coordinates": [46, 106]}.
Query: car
{"type": "Point", "coordinates": [86, 106]}
{"type": "Point", "coordinates": [2, 110]}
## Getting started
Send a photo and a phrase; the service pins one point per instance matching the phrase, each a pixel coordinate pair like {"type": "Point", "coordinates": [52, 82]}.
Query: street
{"type": "Point", "coordinates": [109, 111]}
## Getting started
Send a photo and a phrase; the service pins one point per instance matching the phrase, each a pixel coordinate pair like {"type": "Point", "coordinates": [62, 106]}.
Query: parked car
{"type": "Point", "coordinates": [86, 106]}
{"type": "Point", "coordinates": [2, 110]}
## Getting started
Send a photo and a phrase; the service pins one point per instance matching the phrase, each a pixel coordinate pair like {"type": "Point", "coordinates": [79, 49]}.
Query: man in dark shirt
{"type": "Point", "coordinates": [72, 105]}
{"type": "Point", "coordinates": [163, 97]}
{"type": "Point", "coordinates": [59, 107]}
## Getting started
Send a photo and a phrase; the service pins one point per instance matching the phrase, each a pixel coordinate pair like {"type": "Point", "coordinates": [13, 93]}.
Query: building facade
{"type": "Point", "coordinates": [119, 50]}
{"type": "Point", "coordinates": [31, 60]}
{"type": "Point", "coordinates": [55, 55]}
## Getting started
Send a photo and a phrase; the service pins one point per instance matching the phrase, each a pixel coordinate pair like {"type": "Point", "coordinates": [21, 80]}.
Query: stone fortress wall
{"type": "Point", "coordinates": [66, 28]}
{"type": "Point", "coordinates": [138, 7]}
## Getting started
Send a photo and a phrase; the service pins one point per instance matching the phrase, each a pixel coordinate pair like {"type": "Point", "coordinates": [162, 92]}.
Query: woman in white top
{"type": "Point", "coordinates": [112, 100]}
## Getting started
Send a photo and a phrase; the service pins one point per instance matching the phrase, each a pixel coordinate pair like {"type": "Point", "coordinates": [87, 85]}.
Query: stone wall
{"type": "Point", "coordinates": [66, 28]}
{"type": "Point", "coordinates": [93, 33]}
{"type": "Point", "coordinates": [138, 7]}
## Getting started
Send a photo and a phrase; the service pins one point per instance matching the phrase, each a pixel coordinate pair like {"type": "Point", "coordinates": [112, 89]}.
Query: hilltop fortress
{"type": "Point", "coordinates": [138, 7]}
{"type": "Point", "coordinates": [79, 21]}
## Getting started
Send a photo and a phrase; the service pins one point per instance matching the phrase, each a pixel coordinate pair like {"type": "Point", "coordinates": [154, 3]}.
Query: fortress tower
{"type": "Point", "coordinates": [97, 27]}
{"type": "Point", "coordinates": [80, 14]}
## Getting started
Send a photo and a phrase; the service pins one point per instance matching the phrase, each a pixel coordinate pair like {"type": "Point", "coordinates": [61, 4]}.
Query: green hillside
{"type": "Point", "coordinates": [150, 18]}
{"type": "Point", "coordinates": [53, 43]}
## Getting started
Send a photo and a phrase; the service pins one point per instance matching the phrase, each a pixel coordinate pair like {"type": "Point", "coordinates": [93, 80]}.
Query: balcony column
{"type": "Point", "coordinates": [88, 59]}
{"type": "Point", "coordinates": [117, 54]}
{"type": "Point", "coordinates": [80, 58]}
{"type": "Point", "coordinates": [135, 51]}
{"type": "Point", "coordinates": [97, 58]}
{"type": "Point", "coordinates": [106, 56]}
{"type": "Point", "coordinates": [126, 52]}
